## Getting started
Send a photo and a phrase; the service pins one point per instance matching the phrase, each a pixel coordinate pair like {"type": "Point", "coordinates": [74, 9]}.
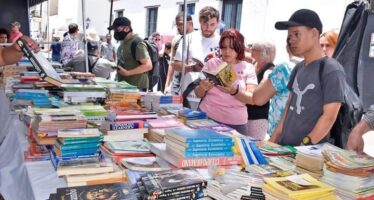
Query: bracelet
{"type": "Point", "coordinates": [236, 91]}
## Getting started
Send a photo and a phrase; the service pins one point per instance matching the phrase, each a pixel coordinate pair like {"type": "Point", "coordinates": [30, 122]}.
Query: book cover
{"type": "Point", "coordinates": [80, 133]}
{"type": "Point", "coordinates": [115, 191]}
{"type": "Point", "coordinates": [136, 145]}
{"type": "Point", "coordinates": [225, 75]}
{"type": "Point", "coordinates": [170, 181]}
{"type": "Point", "coordinates": [197, 136]}
{"type": "Point", "coordinates": [77, 140]}
{"type": "Point", "coordinates": [145, 163]}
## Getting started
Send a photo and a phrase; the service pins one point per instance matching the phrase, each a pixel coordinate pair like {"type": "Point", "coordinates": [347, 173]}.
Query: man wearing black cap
{"type": "Point", "coordinates": [314, 100]}
{"type": "Point", "coordinates": [133, 71]}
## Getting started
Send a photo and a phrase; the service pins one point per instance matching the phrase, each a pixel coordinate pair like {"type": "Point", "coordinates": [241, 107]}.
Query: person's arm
{"type": "Point", "coordinates": [177, 65]}
{"type": "Point", "coordinates": [278, 130]}
{"type": "Point", "coordinates": [243, 96]}
{"type": "Point", "coordinates": [145, 66]}
{"type": "Point", "coordinates": [355, 140]}
{"type": "Point", "coordinates": [204, 86]}
{"type": "Point", "coordinates": [169, 78]}
{"type": "Point", "coordinates": [12, 54]}
{"type": "Point", "coordinates": [325, 122]}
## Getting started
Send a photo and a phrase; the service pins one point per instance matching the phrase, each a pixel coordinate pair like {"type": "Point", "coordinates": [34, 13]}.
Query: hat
{"type": "Point", "coordinates": [15, 23]}
{"type": "Point", "coordinates": [92, 35]}
{"type": "Point", "coordinates": [120, 21]}
{"type": "Point", "coordinates": [302, 17]}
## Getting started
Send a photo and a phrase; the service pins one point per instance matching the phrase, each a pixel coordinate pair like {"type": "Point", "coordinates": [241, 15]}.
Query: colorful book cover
{"type": "Point", "coordinates": [115, 191]}
{"type": "Point", "coordinates": [89, 132]}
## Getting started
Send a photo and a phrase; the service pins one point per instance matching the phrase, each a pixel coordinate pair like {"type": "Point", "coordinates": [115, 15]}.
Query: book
{"type": "Point", "coordinates": [123, 125]}
{"type": "Point", "coordinates": [80, 133]}
{"type": "Point", "coordinates": [164, 183]}
{"type": "Point", "coordinates": [128, 146]}
{"type": "Point", "coordinates": [115, 191]}
{"type": "Point", "coordinates": [42, 65]}
{"type": "Point", "coordinates": [197, 136]}
{"type": "Point", "coordinates": [151, 163]}
{"type": "Point", "coordinates": [78, 140]}
{"type": "Point", "coordinates": [85, 168]}
{"type": "Point", "coordinates": [224, 75]}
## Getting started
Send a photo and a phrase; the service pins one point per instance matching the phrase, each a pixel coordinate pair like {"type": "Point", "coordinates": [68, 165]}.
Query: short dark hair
{"type": "Point", "coordinates": [208, 13]}
{"type": "Point", "coordinates": [181, 14]}
{"type": "Point", "coordinates": [73, 28]}
{"type": "Point", "coordinates": [168, 45]}
{"type": "Point", "coordinates": [236, 41]}
{"type": "Point", "coordinates": [5, 32]}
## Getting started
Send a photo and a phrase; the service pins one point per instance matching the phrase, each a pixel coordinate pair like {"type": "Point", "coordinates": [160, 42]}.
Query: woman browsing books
{"type": "Point", "coordinates": [229, 78]}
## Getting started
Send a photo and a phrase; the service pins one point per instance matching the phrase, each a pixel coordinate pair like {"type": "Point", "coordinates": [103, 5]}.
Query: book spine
{"type": "Point", "coordinates": [64, 141]}
{"type": "Point", "coordinates": [165, 192]}
{"type": "Point", "coordinates": [209, 154]}
{"type": "Point", "coordinates": [246, 151]}
{"type": "Point", "coordinates": [203, 145]}
{"type": "Point", "coordinates": [204, 162]}
{"type": "Point", "coordinates": [259, 156]}
{"type": "Point", "coordinates": [126, 125]}
{"type": "Point", "coordinates": [208, 140]}
{"type": "Point", "coordinates": [82, 146]}
{"type": "Point", "coordinates": [198, 149]}
{"type": "Point", "coordinates": [77, 153]}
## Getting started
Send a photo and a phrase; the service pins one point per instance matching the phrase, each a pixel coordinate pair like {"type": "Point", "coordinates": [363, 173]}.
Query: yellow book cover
{"type": "Point", "coordinates": [271, 193]}
{"type": "Point", "coordinates": [299, 186]}
{"type": "Point", "coordinates": [225, 75]}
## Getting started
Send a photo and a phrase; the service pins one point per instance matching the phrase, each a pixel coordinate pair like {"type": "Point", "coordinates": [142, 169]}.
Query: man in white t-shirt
{"type": "Point", "coordinates": [200, 47]}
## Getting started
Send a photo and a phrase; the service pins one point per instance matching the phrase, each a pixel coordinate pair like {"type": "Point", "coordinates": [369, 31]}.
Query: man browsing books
{"type": "Point", "coordinates": [130, 69]}
{"type": "Point", "coordinates": [315, 96]}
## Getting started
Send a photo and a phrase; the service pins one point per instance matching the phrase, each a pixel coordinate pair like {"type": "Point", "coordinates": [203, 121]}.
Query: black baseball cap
{"type": "Point", "coordinates": [120, 21]}
{"type": "Point", "coordinates": [302, 17]}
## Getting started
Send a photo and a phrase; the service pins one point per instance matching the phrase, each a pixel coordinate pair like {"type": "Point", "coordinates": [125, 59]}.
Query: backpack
{"type": "Point", "coordinates": [153, 55]}
{"type": "Point", "coordinates": [349, 114]}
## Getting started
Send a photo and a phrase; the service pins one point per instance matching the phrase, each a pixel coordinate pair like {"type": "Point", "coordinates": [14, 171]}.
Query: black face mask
{"type": "Point", "coordinates": [120, 35]}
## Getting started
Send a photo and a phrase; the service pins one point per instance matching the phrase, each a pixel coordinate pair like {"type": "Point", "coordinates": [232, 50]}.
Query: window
{"type": "Point", "coordinates": [231, 14]}
{"type": "Point", "coordinates": [151, 20]}
{"type": "Point", "coordinates": [190, 8]}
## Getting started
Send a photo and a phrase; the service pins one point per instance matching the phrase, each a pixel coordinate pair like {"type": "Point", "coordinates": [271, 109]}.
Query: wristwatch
{"type": "Point", "coordinates": [307, 141]}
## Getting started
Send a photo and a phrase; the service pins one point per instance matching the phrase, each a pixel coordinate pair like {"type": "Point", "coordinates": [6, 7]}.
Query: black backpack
{"type": "Point", "coordinates": [153, 55]}
{"type": "Point", "coordinates": [349, 114]}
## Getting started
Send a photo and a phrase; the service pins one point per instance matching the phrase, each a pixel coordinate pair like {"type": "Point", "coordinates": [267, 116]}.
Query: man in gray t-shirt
{"type": "Point", "coordinates": [314, 101]}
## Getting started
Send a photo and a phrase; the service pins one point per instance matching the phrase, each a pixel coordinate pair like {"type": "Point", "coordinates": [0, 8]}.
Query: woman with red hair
{"type": "Point", "coordinates": [328, 42]}
{"type": "Point", "coordinates": [226, 104]}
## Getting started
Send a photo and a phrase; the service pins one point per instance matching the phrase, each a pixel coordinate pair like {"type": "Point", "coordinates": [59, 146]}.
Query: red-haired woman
{"type": "Point", "coordinates": [328, 42]}
{"type": "Point", "coordinates": [226, 104]}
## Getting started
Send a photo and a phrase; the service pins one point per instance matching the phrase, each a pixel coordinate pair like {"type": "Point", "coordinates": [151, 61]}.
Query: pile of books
{"type": "Point", "coordinates": [105, 191]}
{"type": "Point", "coordinates": [48, 122]}
{"type": "Point", "coordinates": [297, 187]}
{"type": "Point", "coordinates": [170, 184]}
{"type": "Point", "coordinates": [188, 114]}
{"type": "Point", "coordinates": [156, 101]}
{"type": "Point", "coordinates": [80, 93]}
{"type": "Point", "coordinates": [309, 160]}
{"type": "Point", "coordinates": [350, 173]}
{"type": "Point", "coordinates": [198, 143]}
{"type": "Point", "coordinates": [121, 149]}
{"type": "Point", "coordinates": [123, 95]}
{"type": "Point", "coordinates": [249, 151]}
{"type": "Point", "coordinates": [31, 97]}
{"type": "Point", "coordinates": [158, 126]}
{"type": "Point", "coordinates": [234, 184]}
{"type": "Point", "coordinates": [124, 130]}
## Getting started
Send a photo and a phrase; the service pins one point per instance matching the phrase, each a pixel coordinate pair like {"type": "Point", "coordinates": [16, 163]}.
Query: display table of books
{"type": "Point", "coordinates": [103, 139]}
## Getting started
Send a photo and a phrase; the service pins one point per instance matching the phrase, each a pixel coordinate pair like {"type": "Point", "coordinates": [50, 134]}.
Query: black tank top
{"type": "Point", "coordinates": [259, 112]}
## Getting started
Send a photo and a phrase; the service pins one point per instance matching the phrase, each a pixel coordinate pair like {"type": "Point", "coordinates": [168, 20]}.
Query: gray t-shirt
{"type": "Point", "coordinates": [308, 98]}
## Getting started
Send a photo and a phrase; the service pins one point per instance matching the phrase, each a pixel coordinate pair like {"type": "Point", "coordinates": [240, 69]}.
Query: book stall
{"type": "Point", "coordinates": [75, 136]}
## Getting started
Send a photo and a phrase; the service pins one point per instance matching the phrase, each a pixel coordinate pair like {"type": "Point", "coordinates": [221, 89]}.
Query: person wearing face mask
{"type": "Point", "coordinates": [130, 69]}
{"type": "Point", "coordinates": [70, 46]}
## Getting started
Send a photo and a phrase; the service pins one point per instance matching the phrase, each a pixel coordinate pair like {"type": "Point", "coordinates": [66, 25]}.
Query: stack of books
{"type": "Point", "coordinates": [114, 191]}
{"type": "Point", "coordinates": [234, 184]}
{"type": "Point", "coordinates": [31, 97]}
{"type": "Point", "coordinates": [110, 84]}
{"type": "Point", "coordinates": [198, 143]}
{"type": "Point", "coordinates": [297, 187]}
{"type": "Point", "coordinates": [123, 95]}
{"type": "Point", "coordinates": [36, 152]}
{"type": "Point", "coordinates": [350, 173]}
{"type": "Point", "coordinates": [118, 114]}
{"type": "Point", "coordinates": [79, 93]}
{"type": "Point", "coordinates": [48, 122]}
{"type": "Point", "coordinates": [249, 151]}
{"type": "Point", "coordinates": [124, 130]}
{"type": "Point", "coordinates": [72, 143]}
{"type": "Point", "coordinates": [10, 71]}
{"type": "Point", "coordinates": [158, 126]}
{"type": "Point", "coordinates": [131, 148]}
{"type": "Point", "coordinates": [157, 101]}
{"type": "Point", "coordinates": [170, 184]}
{"type": "Point", "coordinates": [309, 160]}
{"type": "Point", "coordinates": [209, 124]}
{"type": "Point", "coordinates": [188, 114]}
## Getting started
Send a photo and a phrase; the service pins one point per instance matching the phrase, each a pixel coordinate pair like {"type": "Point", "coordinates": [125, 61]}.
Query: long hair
{"type": "Point", "coordinates": [236, 41]}
{"type": "Point", "coordinates": [331, 37]}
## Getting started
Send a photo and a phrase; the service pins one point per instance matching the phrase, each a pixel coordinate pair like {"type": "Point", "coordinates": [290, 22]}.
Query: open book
{"type": "Point", "coordinates": [224, 75]}
{"type": "Point", "coordinates": [42, 65]}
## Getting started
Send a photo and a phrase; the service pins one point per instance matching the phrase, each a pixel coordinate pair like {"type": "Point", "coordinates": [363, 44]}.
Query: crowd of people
{"type": "Point", "coordinates": [286, 102]}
